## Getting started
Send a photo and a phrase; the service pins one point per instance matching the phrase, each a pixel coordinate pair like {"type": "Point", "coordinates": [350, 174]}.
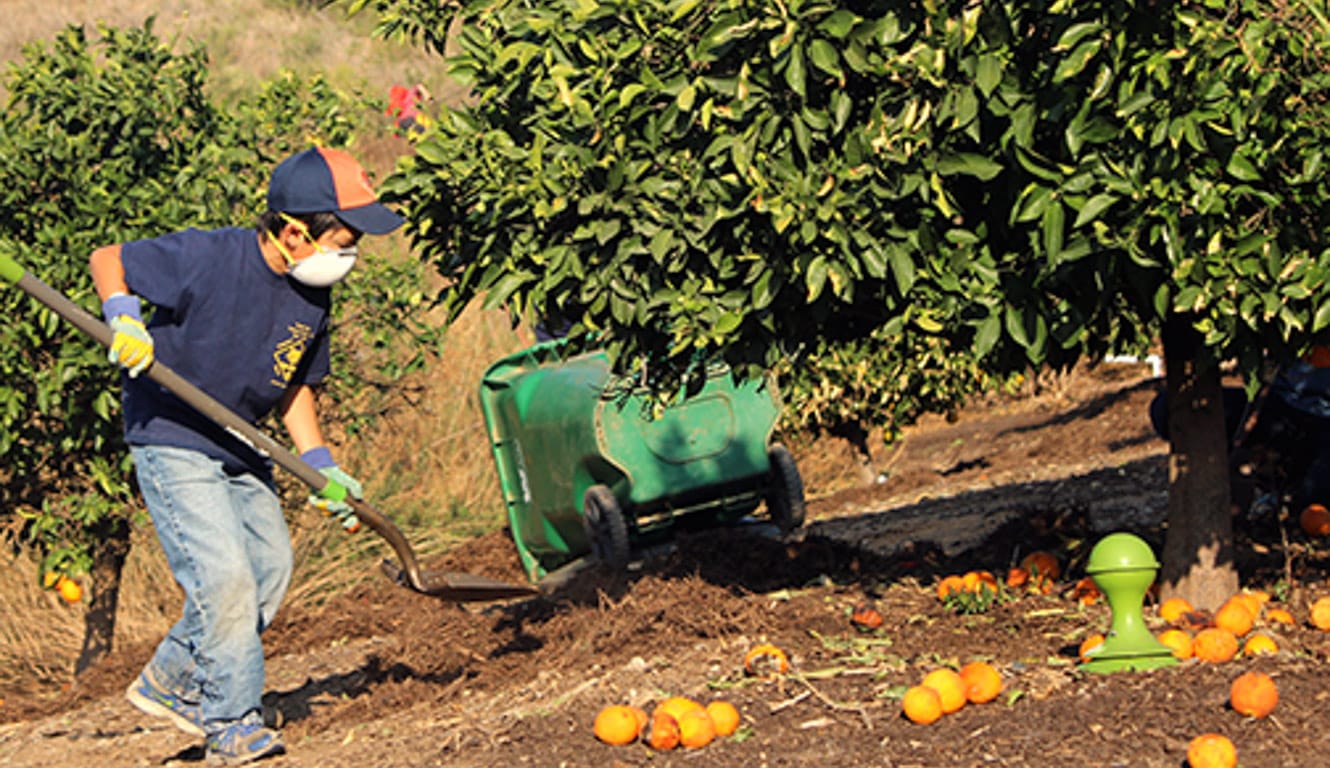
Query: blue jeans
{"type": "Point", "coordinates": [228, 546]}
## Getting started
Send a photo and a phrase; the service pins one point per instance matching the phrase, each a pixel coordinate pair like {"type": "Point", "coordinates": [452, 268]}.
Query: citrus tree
{"type": "Point", "coordinates": [106, 140]}
{"type": "Point", "coordinates": [1032, 182]}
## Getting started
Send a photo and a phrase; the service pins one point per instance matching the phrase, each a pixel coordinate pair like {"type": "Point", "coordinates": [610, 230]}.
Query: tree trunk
{"type": "Point", "coordinates": [108, 560]}
{"type": "Point", "coordinates": [1198, 546]}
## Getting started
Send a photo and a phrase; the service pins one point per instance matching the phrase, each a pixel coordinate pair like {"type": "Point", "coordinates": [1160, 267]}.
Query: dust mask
{"type": "Point", "coordinates": [324, 267]}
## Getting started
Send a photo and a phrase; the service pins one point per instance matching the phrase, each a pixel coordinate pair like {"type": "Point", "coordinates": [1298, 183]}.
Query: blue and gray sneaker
{"type": "Point", "coordinates": [242, 741]}
{"type": "Point", "coordinates": [152, 698]}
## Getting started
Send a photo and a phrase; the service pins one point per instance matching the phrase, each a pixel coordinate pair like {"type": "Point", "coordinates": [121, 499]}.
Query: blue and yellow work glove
{"type": "Point", "coordinates": [331, 500]}
{"type": "Point", "coordinates": [131, 344]}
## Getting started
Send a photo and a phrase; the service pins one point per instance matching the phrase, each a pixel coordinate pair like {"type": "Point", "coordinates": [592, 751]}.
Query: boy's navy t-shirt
{"type": "Point", "coordinates": [229, 325]}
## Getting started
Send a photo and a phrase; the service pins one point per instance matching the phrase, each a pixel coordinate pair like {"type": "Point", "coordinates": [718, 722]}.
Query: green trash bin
{"type": "Point", "coordinates": [585, 469]}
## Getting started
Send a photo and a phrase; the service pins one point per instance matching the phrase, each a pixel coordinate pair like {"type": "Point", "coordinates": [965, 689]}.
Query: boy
{"type": "Point", "coordinates": [243, 315]}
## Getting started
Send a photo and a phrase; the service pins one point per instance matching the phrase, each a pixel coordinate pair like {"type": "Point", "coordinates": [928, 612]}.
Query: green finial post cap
{"type": "Point", "coordinates": [1123, 567]}
{"type": "Point", "coordinates": [1121, 551]}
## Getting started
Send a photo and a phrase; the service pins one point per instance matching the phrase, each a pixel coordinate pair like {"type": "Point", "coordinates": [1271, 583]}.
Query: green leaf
{"type": "Point", "coordinates": [970, 164]}
{"type": "Point", "coordinates": [1240, 167]}
{"type": "Point", "coordinates": [1093, 207]}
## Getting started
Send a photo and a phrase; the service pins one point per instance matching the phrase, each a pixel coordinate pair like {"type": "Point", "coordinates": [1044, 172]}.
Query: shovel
{"type": "Point", "coordinates": [457, 587]}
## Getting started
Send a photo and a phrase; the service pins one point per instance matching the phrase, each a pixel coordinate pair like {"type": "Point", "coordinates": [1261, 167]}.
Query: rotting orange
{"type": "Point", "coordinates": [921, 705]}
{"type": "Point", "coordinates": [1315, 520]}
{"type": "Point", "coordinates": [1253, 694]}
{"type": "Point", "coordinates": [1086, 592]}
{"type": "Point", "coordinates": [1214, 645]}
{"type": "Point", "coordinates": [1042, 565]}
{"type": "Point", "coordinates": [950, 585]}
{"type": "Point", "coordinates": [1211, 750]}
{"type": "Point", "coordinates": [70, 590]}
{"type": "Point", "coordinates": [1234, 616]}
{"type": "Point", "coordinates": [1178, 641]}
{"type": "Point", "coordinates": [866, 617]}
{"type": "Point", "coordinates": [1089, 646]}
{"type": "Point", "coordinates": [1259, 644]}
{"type": "Point", "coordinates": [696, 729]}
{"type": "Point", "coordinates": [1017, 577]}
{"type": "Point", "coordinates": [677, 706]}
{"type": "Point", "coordinates": [1320, 614]}
{"type": "Point", "coordinates": [982, 681]}
{"type": "Point", "coordinates": [663, 732]}
{"type": "Point", "coordinates": [616, 724]}
{"type": "Point", "coordinates": [1279, 616]}
{"type": "Point", "coordinates": [725, 716]}
{"type": "Point", "coordinates": [1173, 609]}
{"type": "Point", "coordinates": [766, 659]}
{"type": "Point", "coordinates": [949, 686]}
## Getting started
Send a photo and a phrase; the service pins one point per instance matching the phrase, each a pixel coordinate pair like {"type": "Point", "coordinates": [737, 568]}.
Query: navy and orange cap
{"type": "Point", "coordinates": [323, 180]}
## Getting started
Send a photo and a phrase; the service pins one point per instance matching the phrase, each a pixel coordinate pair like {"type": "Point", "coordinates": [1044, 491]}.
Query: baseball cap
{"type": "Point", "coordinates": [323, 180]}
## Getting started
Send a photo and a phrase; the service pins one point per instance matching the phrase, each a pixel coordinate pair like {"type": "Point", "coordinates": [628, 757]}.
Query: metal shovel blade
{"type": "Point", "coordinates": [456, 587]}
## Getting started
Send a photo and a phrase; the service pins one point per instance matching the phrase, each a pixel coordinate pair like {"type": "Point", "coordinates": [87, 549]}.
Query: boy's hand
{"type": "Point", "coordinates": [331, 500]}
{"type": "Point", "coordinates": [131, 344]}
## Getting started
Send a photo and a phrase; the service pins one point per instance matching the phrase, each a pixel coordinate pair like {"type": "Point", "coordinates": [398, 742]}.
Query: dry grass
{"type": "Point", "coordinates": [426, 463]}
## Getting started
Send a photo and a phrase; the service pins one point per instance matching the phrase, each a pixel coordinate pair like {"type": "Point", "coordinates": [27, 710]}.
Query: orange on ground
{"type": "Point", "coordinates": [922, 705]}
{"type": "Point", "coordinates": [1214, 644]}
{"type": "Point", "coordinates": [866, 616]}
{"type": "Point", "coordinates": [70, 590]}
{"type": "Point", "coordinates": [724, 716]}
{"type": "Point", "coordinates": [1315, 520]}
{"type": "Point", "coordinates": [1258, 644]}
{"type": "Point", "coordinates": [1255, 602]}
{"type": "Point", "coordinates": [676, 707]}
{"type": "Point", "coordinates": [1211, 750]}
{"type": "Point", "coordinates": [1178, 641]}
{"type": "Point", "coordinates": [1320, 614]}
{"type": "Point", "coordinates": [1278, 616]}
{"type": "Point", "coordinates": [1173, 608]}
{"type": "Point", "coordinates": [974, 581]}
{"type": "Point", "coordinates": [949, 686]}
{"type": "Point", "coordinates": [1042, 565]}
{"type": "Point", "coordinates": [617, 725]}
{"type": "Point", "coordinates": [766, 659]}
{"type": "Point", "coordinates": [982, 682]}
{"type": "Point", "coordinates": [1017, 577]}
{"type": "Point", "coordinates": [1086, 591]}
{"type": "Point", "coordinates": [1089, 645]}
{"type": "Point", "coordinates": [950, 585]}
{"type": "Point", "coordinates": [663, 732]}
{"type": "Point", "coordinates": [1234, 616]}
{"type": "Point", "coordinates": [696, 729]}
{"type": "Point", "coordinates": [1253, 694]}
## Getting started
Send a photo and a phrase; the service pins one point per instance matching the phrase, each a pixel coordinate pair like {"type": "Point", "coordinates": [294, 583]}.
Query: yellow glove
{"type": "Point", "coordinates": [131, 344]}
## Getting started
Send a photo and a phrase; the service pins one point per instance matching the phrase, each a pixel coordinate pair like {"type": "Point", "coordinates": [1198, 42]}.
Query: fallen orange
{"type": "Point", "coordinates": [922, 705]}
{"type": "Point", "coordinates": [617, 725]}
{"type": "Point", "coordinates": [1253, 694]}
{"type": "Point", "coordinates": [983, 683]}
{"type": "Point", "coordinates": [1211, 750]}
{"type": "Point", "coordinates": [724, 716]}
{"type": "Point", "coordinates": [949, 686]}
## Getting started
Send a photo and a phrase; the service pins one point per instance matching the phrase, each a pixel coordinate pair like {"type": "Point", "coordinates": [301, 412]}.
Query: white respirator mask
{"type": "Point", "coordinates": [325, 267]}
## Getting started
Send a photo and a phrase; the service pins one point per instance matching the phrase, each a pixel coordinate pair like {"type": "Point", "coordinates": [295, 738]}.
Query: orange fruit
{"type": "Point", "coordinates": [1017, 577]}
{"type": "Point", "coordinates": [1042, 566]}
{"type": "Point", "coordinates": [865, 616]}
{"type": "Point", "coordinates": [922, 705]}
{"type": "Point", "coordinates": [1320, 614]}
{"type": "Point", "coordinates": [696, 729]}
{"type": "Point", "coordinates": [949, 686]}
{"type": "Point", "coordinates": [724, 716]}
{"type": "Point", "coordinates": [950, 585]}
{"type": "Point", "coordinates": [1258, 644]}
{"type": "Point", "coordinates": [1173, 609]}
{"type": "Point", "coordinates": [50, 579]}
{"type": "Point", "coordinates": [1255, 602]}
{"type": "Point", "coordinates": [1214, 644]}
{"type": "Point", "coordinates": [1278, 616]}
{"type": "Point", "coordinates": [1253, 694]}
{"type": "Point", "coordinates": [663, 731]}
{"type": "Point", "coordinates": [1089, 645]}
{"type": "Point", "coordinates": [1177, 641]}
{"type": "Point", "coordinates": [1086, 591]}
{"type": "Point", "coordinates": [1211, 750]}
{"type": "Point", "coordinates": [69, 590]}
{"type": "Point", "coordinates": [766, 659]}
{"type": "Point", "coordinates": [1315, 520]}
{"type": "Point", "coordinates": [617, 725]}
{"type": "Point", "coordinates": [982, 682]}
{"type": "Point", "coordinates": [1234, 616]}
{"type": "Point", "coordinates": [974, 581]}
{"type": "Point", "coordinates": [676, 707]}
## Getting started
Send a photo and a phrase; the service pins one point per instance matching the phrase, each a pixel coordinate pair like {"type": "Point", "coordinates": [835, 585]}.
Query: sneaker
{"type": "Point", "coordinates": [243, 741]}
{"type": "Point", "coordinates": [153, 699]}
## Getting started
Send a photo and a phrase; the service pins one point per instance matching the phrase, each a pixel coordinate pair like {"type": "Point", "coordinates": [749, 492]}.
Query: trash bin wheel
{"type": "Point", "coordinates": [605, 527]}
{"type": "Point", "coordinates": [785, 496]}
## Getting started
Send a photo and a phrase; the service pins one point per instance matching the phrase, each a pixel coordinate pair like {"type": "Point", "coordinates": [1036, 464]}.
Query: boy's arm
{"type": "Point", "coordinates": [108, 271]}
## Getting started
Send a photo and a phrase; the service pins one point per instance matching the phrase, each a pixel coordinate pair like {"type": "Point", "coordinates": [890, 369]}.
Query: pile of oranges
{"type": "Point", "coordinates": [1224, 635]}
{"type": "Point", "coordinates": [675, 722]}
{"type": "Point", "coordinates": [945, 690]}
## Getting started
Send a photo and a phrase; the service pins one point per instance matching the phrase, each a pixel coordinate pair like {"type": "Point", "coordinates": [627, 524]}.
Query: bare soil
{"type": "Point", "coordinates": [384, 677]}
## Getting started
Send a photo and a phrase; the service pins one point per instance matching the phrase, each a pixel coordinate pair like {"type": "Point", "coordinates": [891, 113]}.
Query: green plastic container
{"type": "Point", "coordinates": [585, 469]}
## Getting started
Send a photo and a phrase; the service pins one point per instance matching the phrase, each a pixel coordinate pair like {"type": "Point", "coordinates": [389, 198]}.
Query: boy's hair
{"type": "Point", "coordinates": [316, 224]}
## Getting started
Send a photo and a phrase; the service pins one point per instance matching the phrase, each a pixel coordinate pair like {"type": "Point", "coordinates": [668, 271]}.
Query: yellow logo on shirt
{"type": "Point", "coordinates": [286, 358]}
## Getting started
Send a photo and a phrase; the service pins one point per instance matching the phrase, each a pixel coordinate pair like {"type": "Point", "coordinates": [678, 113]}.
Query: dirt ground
{"type": "Point", "coordinates": [384, 677]}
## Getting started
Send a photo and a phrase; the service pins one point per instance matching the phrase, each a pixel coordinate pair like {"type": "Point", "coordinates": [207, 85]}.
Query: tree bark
{"type": "Point", "coordinates": [108, 561]}
{"type": "Point", "coordinates": [1198, 546]}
